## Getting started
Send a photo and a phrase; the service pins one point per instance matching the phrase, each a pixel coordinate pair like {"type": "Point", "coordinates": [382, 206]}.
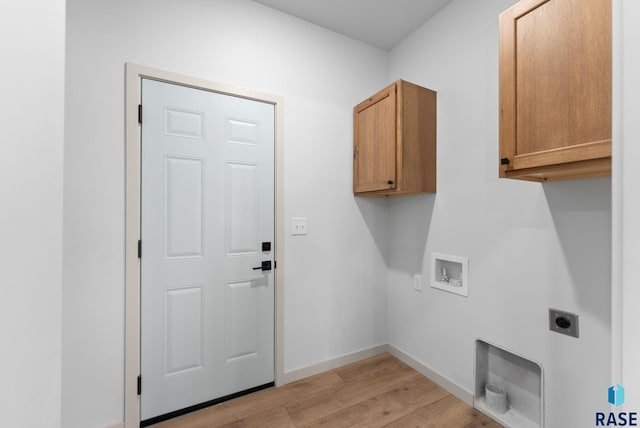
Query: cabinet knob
{"type": "Point", "coordinates": [504, 161]}
{"type": "Point", "coordinates": [389, 181]}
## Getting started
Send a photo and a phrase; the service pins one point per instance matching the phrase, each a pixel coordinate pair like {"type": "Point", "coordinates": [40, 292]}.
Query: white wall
{"type": "Point", "coordinates": [630, 153]}
{"type": "Point", "coordinates": [32, 124]}
{"type": "Point", "coordinates": [530, 246]}
{"type": "Point", "coordinates": [335, 278]}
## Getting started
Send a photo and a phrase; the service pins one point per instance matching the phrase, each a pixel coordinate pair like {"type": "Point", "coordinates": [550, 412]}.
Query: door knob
{"type": "Point", "coordinates": [266, 265]}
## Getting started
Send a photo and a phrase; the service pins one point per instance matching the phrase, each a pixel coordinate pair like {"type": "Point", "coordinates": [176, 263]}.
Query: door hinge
{"type": "Point", "coordinates": [140, 113]}
{"type": "Point", "coordinates": [139, 249]}
{"type": "Point", "coordinates": [275, 264]}
{"type": "Point", "coordinates": [139, 385]}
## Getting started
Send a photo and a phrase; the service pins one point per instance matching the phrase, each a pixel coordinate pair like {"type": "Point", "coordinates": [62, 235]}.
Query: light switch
{"type": "Point", "coordinates": [298, 225]}
{"type": "Point", "coordinates": [417, 282]}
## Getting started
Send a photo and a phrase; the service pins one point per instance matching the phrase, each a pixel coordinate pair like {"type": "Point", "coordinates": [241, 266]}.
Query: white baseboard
{"type": "Point", "coordinates": [324, 366]}
{"type": "Point", "coordinates": [432, 375]}
{"type": "Point", "coordinates": [343, 360]}
{"type": "Point", "coordinates": [118, 425]}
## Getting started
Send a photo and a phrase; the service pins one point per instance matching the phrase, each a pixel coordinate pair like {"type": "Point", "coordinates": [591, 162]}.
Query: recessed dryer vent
{"type": "Point", "coordinates": [508, 387]}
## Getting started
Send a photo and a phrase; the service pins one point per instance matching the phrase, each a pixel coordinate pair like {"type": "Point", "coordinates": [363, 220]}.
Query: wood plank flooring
{"type": "Point", "coordinates": [377, 392]}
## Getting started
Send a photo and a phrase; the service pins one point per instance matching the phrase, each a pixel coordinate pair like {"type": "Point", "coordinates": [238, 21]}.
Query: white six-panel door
{"type": "Point", "coordinates": [207, 205]}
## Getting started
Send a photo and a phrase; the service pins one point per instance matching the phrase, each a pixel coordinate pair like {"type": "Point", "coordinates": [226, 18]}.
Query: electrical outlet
{"type": "Point", "coordinates": [298, 225]}
{"type": "Point", "coordinates": [563, 322]}
{"type": "Point", "coordinates": [417, 282]}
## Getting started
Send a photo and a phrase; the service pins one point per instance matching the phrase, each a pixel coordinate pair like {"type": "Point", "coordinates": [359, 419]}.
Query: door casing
{"type": "Point", "coordinates": [134, 75]}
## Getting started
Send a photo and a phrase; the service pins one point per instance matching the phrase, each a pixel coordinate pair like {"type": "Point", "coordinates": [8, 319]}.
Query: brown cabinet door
{"type": "Point", "coordinates": [375, 148]}
{"type": "Point", "coordinates": [555, 84]}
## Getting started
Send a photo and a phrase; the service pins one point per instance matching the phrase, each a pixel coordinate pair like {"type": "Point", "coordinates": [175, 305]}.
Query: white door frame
{"type": "Point", "coordinates": [134, 75]}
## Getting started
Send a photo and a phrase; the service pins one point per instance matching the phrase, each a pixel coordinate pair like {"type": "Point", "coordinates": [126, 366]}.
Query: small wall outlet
{"type": "Point", "coordinates": [563, 322]}
{"type": "Point", "coordinates": [298, 225]}
{"type": "Point", "coordinates": [417, 282]}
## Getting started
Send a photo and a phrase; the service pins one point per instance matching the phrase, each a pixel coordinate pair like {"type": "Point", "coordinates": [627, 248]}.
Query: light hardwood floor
{"type": "Point", "coordinates": [377, 392]}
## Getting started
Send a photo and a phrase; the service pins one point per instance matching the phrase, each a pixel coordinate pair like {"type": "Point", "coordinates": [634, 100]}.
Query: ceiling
{"type": "Point", "coordinates": [381, 23]}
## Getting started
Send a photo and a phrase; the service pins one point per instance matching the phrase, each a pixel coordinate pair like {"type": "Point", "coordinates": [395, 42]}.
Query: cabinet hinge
{"type": "Point", "coordinates": [139, 385]}
{"type": "Point", "coordinates": [140, 113]}
{"type": "Point", "coordinates": [504, 161]}
{"type": "Point", "coordinates": [275, 264]}
{"type": "Point", "coordinates": [139, 248]}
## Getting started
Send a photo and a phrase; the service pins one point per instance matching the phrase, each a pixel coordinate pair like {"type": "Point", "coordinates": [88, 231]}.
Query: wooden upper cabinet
{"type": "Point", "coordinates": [555, 90]}
{"type": "Point", "coordinates": [394, 150]}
